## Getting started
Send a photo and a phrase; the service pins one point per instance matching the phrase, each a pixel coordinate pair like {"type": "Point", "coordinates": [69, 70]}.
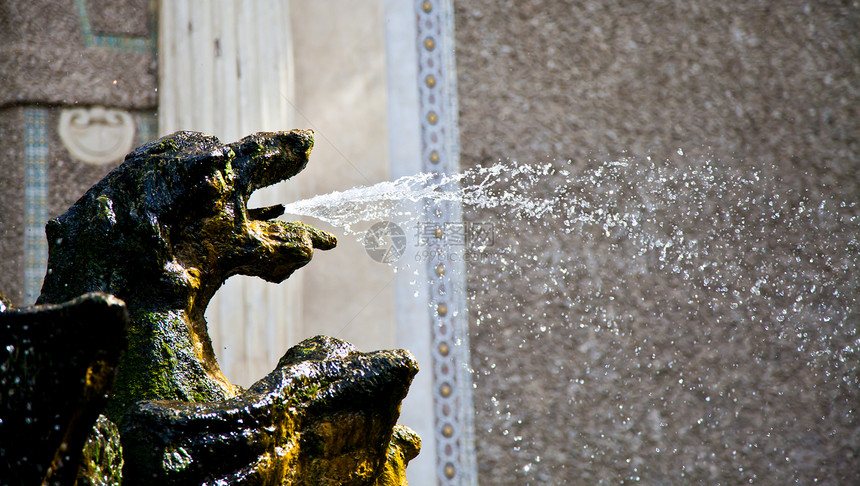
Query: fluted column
{"type": "Point", "coordinates": [226, 69]}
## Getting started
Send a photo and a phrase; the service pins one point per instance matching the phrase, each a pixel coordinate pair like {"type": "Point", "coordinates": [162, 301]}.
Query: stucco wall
{"type": "Point", "coordinates": [642, 373]}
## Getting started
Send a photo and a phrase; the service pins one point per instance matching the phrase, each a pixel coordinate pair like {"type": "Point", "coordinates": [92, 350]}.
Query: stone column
{"type": "Point", "coordinates": [227, 70]}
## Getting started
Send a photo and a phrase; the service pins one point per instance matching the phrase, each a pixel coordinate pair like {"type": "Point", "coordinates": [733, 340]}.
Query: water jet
{"type": "Point", "coordinates": [718, 294]}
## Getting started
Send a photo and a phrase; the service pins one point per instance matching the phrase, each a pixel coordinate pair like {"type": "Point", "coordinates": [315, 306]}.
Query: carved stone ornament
{"type": "Point", "coordinates": [97, 135]}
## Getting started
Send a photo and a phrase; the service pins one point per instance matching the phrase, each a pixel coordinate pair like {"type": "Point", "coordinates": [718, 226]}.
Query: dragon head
{"type": "Point", "coordinates": [162, 232]}
{"type": "Point", "coordinates": [171, 224]}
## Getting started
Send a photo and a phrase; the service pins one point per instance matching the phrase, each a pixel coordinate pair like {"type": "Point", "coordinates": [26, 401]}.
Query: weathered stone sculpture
{"type": "Point", "coordinates": [324, 416]}
{"type": "Point", "coordinates": [163, 232]}
{"type": "Point", "coordinates": [57, 364]}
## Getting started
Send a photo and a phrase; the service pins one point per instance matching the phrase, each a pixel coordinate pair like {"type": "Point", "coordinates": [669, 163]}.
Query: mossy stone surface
{"type": "Point", "coordinates": [325, 415]}
{"type": "Point", "coordinates": [163, 231]}
{"type": "Point", "coordinates": [57, 366]}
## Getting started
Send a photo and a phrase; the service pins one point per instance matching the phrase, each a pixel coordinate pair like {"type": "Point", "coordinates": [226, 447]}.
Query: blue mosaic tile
{"type": "Point", "coordinates": [35, 201]}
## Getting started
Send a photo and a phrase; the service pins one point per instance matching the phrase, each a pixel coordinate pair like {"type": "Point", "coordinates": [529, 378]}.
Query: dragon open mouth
{"type": "Point", "coordinates": [176, 211]}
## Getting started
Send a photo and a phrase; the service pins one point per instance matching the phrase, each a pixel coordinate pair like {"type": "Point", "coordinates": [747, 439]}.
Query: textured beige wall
{"type": "Point", "coordinates": [44, 56]}
{"type": "Point", "coordinates": [672, 390]}
{"type": "Point", "coordinates": [12, 210]}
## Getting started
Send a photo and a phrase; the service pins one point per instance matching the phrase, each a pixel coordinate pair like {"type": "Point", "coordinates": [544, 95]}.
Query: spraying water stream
{"type": "Point", "coordinates": [476, 188]}
{"type": "Point", "coordinates": [694, 287]}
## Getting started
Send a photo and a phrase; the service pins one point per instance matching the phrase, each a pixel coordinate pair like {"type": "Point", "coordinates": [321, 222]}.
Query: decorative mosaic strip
{"type": "Point", "coordinates": [147, 127]}
{"type": "Point", "coordinates": [452, 393]}
{"type": "Point", "coordinates": [117, 42]}
{"type": "Point", "coordinates": [35, 201]}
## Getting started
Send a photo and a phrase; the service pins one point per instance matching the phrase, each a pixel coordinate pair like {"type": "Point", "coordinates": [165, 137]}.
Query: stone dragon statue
{"type": "Point", "coordinates": [162, 232]}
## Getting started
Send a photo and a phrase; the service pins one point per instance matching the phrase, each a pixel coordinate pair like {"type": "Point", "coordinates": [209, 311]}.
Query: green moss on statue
{"type": "Point", "coordinates": [101, 461]}
{"type": "Point", "coordinates": [163, 232]}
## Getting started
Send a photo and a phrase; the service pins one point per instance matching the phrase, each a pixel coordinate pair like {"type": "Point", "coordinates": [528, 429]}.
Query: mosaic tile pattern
{"type": "Point", "coordinates": [147, 127]}
{"type": "Point", "coordinates": [452, 383]}
{"type": "Point", "coordinates": [116, 42]}
{"type": "Point", "coordinates": [36, 201]}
